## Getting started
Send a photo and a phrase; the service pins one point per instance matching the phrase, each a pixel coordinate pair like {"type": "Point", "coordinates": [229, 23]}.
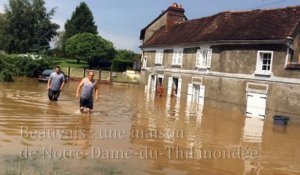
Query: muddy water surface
{"type": "Point", "coordinates": [132, 132]}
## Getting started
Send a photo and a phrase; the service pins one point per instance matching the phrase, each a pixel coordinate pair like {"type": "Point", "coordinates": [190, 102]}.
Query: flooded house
{"type": "Point", "coordinates": [250, 59]}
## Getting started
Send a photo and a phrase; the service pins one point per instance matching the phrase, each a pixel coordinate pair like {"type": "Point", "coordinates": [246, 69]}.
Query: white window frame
{"type": "Point", "coordinates": [159, 56]}
{"type": "Point", "coordinates": [177, 57]}
{"type": "Point", "coordinates": [203, 60]}
{"type": "Point", "coordinates": [259, 63]}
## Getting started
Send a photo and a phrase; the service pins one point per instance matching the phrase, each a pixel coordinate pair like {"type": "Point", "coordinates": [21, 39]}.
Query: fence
{"type": "Point", "coordinates": [103, 76]}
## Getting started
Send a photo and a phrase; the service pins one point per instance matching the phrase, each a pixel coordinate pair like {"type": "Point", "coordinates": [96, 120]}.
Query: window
{"type": "Point", "coordinates": [203, 58]}
{"type": "Point", "coordinates": [159, 56]}
{"type": "Point", "coordinates": [177, 57]}
{"type": "Point", "coordinates": [264, 62]}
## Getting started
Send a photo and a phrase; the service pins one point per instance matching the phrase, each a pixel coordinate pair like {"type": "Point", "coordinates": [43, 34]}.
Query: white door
{"type": "Point", "coordinates": [153, 83]}
{"type": "Point", "coordinates": [256, 105]}
{"type": "Point", "coordinates": [148, 86]}
{"type": "Point", "coordinates": [179, 87]}
{"type": "Point", "coordinates": [170, 85]}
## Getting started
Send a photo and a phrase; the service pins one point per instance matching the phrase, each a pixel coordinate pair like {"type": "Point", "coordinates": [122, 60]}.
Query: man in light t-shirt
{"type": "Point", "coordinates": [55, 84]}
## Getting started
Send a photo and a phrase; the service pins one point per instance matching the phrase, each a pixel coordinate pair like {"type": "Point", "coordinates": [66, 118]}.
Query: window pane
{"type": "Point", "coordinates": [265, 61]}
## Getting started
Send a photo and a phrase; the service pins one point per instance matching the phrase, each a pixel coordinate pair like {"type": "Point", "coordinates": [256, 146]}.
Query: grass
{"type": "Point", "coordinates": [65, 62]}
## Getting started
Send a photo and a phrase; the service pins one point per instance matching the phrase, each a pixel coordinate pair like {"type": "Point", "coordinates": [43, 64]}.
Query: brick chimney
{"type": "Point", "coordinates": [168, 18]}
{"type": "Point", "coordinates": [175, 14]}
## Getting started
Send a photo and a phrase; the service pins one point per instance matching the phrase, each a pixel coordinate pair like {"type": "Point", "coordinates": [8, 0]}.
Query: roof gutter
{"type": "Point", "coordinates": [215, 43]}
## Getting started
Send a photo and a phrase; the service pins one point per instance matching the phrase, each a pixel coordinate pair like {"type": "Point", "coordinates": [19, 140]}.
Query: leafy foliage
{"type": "Point", "coordinates": [2, 29]}
{"type": "Point", "coordinates": [28, 26]}
{"type": "Point", "coordinates": [87, 46]}
{"type": "Point", "coordinates": [5, 73]}
{"type": "Point", "coordinates": [82, 21]}
{"type": "Point", "coordinates": [121, 65]}
{"type": "Point", "coordinates": [125, 55]}
{"type": "Point", "coordinates": [22, 66]}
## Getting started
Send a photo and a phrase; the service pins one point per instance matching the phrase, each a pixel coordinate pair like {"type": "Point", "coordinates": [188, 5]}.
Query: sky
{"type": "Point", "coordinates": [120, 21]}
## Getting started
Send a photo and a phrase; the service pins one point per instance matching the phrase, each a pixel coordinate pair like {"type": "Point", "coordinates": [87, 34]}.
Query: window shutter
{"type": "Point", "coordinates": [180, 55]}
{"type": "Point", "coordinates": [202, 60]}
{"type": "Point", "coordinates": [208, 59]}
{"type": "Point", "coordinates": [174, 57]}
{"type": "Point", "coordinates": [258, 63]}
{"type": "Point", "coordinates": [197, 58]}
{"type": "Point", "coordinates": [170, 85]}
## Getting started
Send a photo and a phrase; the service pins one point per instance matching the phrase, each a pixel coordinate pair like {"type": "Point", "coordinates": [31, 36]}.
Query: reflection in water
{"type": "Point", "coordinates": [172, 107]}
{"type": "Point", "coordinates": [253, 129]}
{"type": "Point", "coordinates": [164, 122]}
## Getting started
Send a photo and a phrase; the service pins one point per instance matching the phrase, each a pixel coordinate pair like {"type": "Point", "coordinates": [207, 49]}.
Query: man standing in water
{"type": "Point", "coordinates": [55, 84]}
{"type": "Point", "coordinates": [86, 97]}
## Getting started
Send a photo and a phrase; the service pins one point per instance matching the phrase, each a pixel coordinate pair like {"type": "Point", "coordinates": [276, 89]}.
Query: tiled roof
{"type": "Point", "coordinates": [274, 24]}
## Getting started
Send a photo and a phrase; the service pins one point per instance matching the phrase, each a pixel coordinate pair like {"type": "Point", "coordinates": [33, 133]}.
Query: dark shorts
{"type": "Point", "coordinates": [86, 102]}
{"type": "Point", "coordinates": [53, 95]}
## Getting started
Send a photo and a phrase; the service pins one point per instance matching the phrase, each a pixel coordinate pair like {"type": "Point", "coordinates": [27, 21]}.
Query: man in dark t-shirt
{"type": "Point", "coordinates": [55, 84]}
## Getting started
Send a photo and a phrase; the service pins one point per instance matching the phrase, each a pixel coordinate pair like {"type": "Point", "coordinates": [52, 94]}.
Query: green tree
{"type": "Point", "coordinates": [87, 46]}
{"type": "Point", "coordinates": [28, 26]}
{"type": "Point", "coordinates": [82, 21]}
{"type": "Point", "coordinates": [2, 29]}
{"type": "Point", "coordinates": [125, 55]}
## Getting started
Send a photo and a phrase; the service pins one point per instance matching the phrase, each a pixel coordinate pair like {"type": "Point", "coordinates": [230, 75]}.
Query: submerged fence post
{"type": "Point", "coordinates": [110, 76]}
{"type": "Point", "coordinates": [84, 72]}
{"type": "Point", "coordinates": [69, 73]}
{"type": "Point", "coordinates": [99, 76]}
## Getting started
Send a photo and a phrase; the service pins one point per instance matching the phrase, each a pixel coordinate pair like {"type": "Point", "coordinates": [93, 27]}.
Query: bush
{"type": "Point", "coordinates": [5, 75]}
{"type": "Point", "coordinates": [21, 66]}
{"type": "Point", "coordinates": [28, 67]}
{"type": "Point", "coordinates": [5, 69]}
{"type": "Point", "coordinates": [121, 65]}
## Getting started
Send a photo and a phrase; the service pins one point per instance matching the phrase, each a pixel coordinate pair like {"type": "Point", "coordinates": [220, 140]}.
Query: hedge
{"type": "Point", "coordinates": [21, 66]}
{"type": "Point", "coordinates": [121, 65]}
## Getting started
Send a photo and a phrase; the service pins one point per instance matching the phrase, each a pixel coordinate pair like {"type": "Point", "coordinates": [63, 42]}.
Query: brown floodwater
{"type": "Point", "coordinates": [133, 132]}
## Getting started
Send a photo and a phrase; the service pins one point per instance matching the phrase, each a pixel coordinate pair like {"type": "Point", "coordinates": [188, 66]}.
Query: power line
{"type": "Point", "coordinates": [267, 4]}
